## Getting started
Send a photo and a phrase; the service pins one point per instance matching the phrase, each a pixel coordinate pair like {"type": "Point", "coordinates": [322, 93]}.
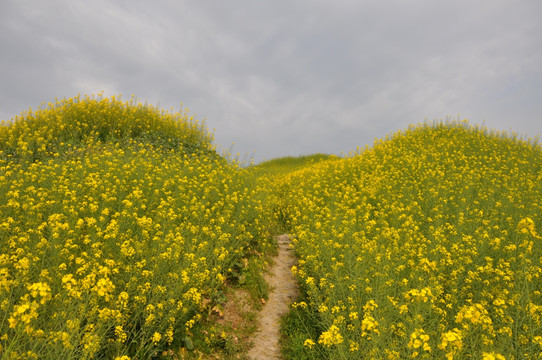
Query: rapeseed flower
{"type": "Point", "coordinates": [156, 337]}
{"type": "Point", "coordinates": [110, 207]}
{"type": "Point", "coordinates": [331, 337]}
{"type": "Point", "coordinates": [309, 343]}
{"type": "Point", "coordinates": [436, 224]}
{"type": "Point", "coordinates": [492, 356]}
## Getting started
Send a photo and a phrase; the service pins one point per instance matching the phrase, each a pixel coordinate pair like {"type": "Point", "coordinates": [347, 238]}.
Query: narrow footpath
{"type": "Point", "coordinates": [283, 292]}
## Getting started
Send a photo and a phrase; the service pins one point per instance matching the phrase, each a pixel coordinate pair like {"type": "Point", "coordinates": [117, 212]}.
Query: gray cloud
{"type": "Point", "coordinates": [284, 77]}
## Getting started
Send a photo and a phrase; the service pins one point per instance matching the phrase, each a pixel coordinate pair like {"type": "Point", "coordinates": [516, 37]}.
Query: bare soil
{"type": "Point", "coordinates": [283, 292]}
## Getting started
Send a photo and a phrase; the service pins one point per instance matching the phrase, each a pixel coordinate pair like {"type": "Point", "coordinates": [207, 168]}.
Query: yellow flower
{"type": "Point", "coordinates": [354, 346]}
{"type": "Point", "coordinates": [156, 337]}
{"type": "Point", "coordinates": [492, 356]}
{"type": "Point", "coordinates": [422, 295]}
{"type": "Point", "coordinates": [42, 290]}
{"type": "Point", "coordinates": [331, 337]}
{"type": "Point", "coordinates": [419, 339]}
{"type": "Point", "coordinates": [104, 287]}
{"type": "Point", "coordinates": [353, 315]}
{"type": "Point", "coordinates": [309, 343]}
{"type": "Point", "coordinates": [476, 314]}
{"type": "Point", "coordinates": [527, 226]}
{"type": "Point", "coordinates": [301, 304]}
{"type": "Point", "coordinates": [120, 334]}
{"type": "Point", "coordinates": [451, 342]}
{"type": "Point", "coordinates": [322, 308]}
{"type": "Point", "coordinates": [369, 324]}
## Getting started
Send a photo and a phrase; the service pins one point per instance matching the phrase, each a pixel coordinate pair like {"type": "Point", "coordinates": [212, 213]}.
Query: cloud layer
{"type": "Point", "coordinates": [284, 77]}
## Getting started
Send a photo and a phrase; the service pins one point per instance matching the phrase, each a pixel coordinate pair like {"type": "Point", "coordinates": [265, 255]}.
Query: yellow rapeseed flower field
{"type": "Point", "coordinates": [119, 228]}
{"type": "Point", "coordinates": [426, 245]}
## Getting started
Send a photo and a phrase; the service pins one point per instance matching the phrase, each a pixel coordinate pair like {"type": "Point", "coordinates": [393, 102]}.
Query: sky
{"type": "Point", "coordinates": [273, 78]}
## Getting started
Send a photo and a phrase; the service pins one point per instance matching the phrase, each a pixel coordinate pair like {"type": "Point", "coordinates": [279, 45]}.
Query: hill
{"type": "Point", "coordinates": [425, 245]}
{"type": "Point", "coordinates": [121, 229]}
{"type": "Point", "coordinates": [123, 233]}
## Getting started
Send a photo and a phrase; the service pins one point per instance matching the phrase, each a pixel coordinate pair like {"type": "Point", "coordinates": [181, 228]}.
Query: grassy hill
{"type": "Point", "coordinates": [122, 231]}
{"type": "Point", "coordinates": [121, 228]}
{"type": "Point", "coordinates": [426, 245]}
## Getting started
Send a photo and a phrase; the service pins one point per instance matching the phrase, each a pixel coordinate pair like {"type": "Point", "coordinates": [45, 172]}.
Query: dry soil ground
{"type": "Point", "coordinates": [283, 293]}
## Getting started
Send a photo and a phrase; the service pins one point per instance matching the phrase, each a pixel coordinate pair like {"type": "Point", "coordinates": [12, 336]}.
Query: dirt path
{"type": "Point", "coordinates": [283, 293]}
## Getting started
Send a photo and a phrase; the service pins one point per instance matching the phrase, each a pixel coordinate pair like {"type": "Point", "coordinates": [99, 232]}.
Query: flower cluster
{"type": "Point", "coordinates": [118, 225]}
{"type": "Point", "coordinates": [437, 227]}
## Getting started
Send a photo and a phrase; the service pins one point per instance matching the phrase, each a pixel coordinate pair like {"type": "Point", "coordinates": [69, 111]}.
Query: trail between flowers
{"type": "Point", "coordinates": [283, 292]}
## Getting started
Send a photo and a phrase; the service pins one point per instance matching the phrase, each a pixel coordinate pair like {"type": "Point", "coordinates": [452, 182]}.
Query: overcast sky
{"type": "Point", "coordinates": [285, 77]}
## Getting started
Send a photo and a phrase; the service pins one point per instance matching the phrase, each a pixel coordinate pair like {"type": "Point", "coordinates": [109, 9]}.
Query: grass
{"type": "Point", "coordinates": [125, 235]}
{"type": "Point", "coordinates": [288, 164]}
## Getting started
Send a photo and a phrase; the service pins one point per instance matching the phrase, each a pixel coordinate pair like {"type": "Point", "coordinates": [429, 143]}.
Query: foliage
{"type": "Point", "coordinates": [426, 245]}
{"type": "Point", "coordinates": [115, 242]}
{"type": "Point", "coordinates": [287, 164]}
{"type": "Point", "coordinates": [122, 230]}
{"type": "Point", "coordinates": [74, 123]}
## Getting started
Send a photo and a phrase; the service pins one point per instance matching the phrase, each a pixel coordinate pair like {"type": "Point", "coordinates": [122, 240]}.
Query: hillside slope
{"type": "Point", "coordinates": [121, 229]}
{"type": "Point", "coordinates": [426, 245]}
